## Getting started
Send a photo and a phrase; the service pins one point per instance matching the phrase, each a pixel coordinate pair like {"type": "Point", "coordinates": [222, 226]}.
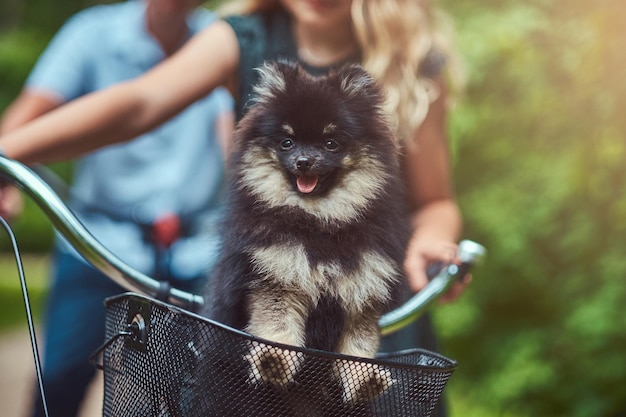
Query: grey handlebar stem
{"type": "Point", "coordinates": [66, 223]}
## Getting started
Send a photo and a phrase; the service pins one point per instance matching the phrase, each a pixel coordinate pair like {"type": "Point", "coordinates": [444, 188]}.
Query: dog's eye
{"type": "Point", "coordinates": [331, 145]}
{"type": "Point", "coordinates": [286, 144]}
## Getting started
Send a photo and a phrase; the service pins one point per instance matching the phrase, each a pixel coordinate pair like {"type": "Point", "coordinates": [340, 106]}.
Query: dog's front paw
{"type": "Point", "coordinates": [361, 382]}
{"type": "Point", "coordinates": [272, 365]}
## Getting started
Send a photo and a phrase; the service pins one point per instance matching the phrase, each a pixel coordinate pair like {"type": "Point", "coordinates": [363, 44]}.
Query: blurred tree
{"type": "Point", "coordinates": [540, 150]}
{"type": "Point", "coordinates": [42, 15]}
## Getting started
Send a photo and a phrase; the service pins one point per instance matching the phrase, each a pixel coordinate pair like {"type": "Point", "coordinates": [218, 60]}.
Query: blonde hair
{"type": "Point", "coordinates": [395, 38]}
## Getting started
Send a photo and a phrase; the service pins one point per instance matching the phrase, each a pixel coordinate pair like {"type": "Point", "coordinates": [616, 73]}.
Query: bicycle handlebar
{"type": "Point", "coordinates": [469, 253]}
{"type": "Point", "coordinates": [66, 223]}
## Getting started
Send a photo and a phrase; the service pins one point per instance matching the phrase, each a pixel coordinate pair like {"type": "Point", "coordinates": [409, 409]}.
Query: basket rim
{"type": "Point", "coordinates": [381, 359]}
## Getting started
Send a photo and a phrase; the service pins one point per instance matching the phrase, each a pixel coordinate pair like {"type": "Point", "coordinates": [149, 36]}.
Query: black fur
{"type": "Point", "coordinates": [282, 136]}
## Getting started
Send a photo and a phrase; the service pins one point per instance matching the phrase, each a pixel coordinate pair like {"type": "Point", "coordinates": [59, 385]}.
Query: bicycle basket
{"type": "Point", "coordinates": [164, 361]}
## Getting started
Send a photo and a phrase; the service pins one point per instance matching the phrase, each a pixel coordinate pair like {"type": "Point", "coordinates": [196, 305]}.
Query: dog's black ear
{"type": "Point", "coordinates": [273, 79]}
{"type": "Point", "coordinates": [355, 80]}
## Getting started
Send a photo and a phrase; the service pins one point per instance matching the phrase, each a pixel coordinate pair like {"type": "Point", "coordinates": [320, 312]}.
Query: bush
{"type": "Point", "coordinates": [541, 179]}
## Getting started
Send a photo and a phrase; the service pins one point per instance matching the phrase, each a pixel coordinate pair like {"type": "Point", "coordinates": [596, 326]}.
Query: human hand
{"type": "Point", "coordinates": [11, 202]}
{"type": "Point", "coordinates": [424, 252]}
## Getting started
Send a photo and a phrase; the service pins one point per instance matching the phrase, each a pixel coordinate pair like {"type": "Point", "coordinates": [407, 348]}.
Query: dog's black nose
{"type": "Point", "coordinates": [304, 163]}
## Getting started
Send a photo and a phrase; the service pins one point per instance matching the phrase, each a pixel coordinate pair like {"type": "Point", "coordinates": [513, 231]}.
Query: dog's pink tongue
{"type": "Point", "coordinates": [306, 183]}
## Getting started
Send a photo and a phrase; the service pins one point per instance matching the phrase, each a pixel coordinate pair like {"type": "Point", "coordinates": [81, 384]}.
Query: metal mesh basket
{"type": "Point", "coordinates": [164, 361]}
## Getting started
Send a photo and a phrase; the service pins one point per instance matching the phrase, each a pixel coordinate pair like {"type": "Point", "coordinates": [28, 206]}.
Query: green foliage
{"type": "Point", "coordinates": [541, 179]}
{"type": "Point", "coordinates": [11, 301]}
{"type": "Point", "coordinates": [19, 50]}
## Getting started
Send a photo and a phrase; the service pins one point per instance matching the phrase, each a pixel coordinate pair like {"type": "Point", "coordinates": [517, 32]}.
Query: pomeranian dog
{"type": "Point", "coordinates": [317, 227]}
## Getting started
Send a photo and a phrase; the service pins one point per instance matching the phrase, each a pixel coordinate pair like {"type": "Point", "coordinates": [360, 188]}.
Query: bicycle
{"type": "Point", "coordinates": [160, 358]}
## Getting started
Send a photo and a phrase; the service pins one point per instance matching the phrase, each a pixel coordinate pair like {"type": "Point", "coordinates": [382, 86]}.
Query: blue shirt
{"type": "Point", "coordinates": [177, 168]}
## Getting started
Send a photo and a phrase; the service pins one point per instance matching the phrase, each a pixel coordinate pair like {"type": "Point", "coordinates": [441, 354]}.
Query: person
{"type": "Point", "coordinates": [396, 42]}
{"type": "Point", "coordinates": [132, 197]}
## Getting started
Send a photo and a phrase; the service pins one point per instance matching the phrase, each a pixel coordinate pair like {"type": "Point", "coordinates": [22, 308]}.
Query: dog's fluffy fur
{"type": "Point", "coordinates": [316, 230]}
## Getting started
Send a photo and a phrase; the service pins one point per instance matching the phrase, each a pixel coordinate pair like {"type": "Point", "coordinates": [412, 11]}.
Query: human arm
{"type": "Point", "coordinates": [224, 122]}
{"type": "Point", "coordinates": [29, 105]}
{"type": "Point", "coordinates": [436, 217]}
{"type": "Point", "coordinates": [125, 110]}
{"type": "Point", "coordinates": [224, 127]}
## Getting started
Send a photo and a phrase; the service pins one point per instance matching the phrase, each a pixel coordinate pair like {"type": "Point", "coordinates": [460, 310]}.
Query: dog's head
{"type": "Point", "coordinates": [309, 138]}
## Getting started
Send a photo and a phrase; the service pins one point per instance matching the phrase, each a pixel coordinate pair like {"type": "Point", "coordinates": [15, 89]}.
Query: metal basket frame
{"type": "Point", "coordinates": [160, 360]}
